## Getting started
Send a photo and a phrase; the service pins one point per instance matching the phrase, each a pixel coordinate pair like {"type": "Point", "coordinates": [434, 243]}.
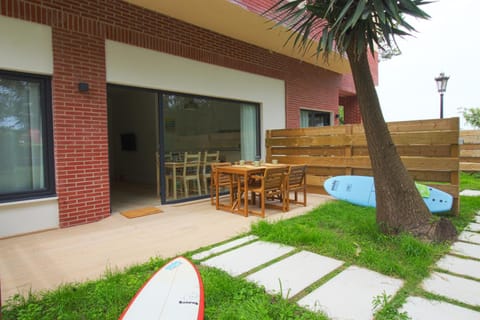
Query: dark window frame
{"type": "Point", "coordinates": [47, 138]}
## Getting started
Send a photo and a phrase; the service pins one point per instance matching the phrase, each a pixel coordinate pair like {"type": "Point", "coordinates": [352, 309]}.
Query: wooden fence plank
{"type": "Point", "coordinates": [470, 150]}
{"type": "Point", "coordinates": [419, 125]}
{"type": "Point", "coordinates": [470, 166]}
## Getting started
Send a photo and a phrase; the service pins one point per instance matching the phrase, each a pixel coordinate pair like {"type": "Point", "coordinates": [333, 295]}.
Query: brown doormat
{"type": "Point", "coordinates": [135, 213]}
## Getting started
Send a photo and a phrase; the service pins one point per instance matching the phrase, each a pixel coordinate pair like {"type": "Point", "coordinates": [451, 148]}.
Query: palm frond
{"type": "Point", "coordinates": [335, 25]}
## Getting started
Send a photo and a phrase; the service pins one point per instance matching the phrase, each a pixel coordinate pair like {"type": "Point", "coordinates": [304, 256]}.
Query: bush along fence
{"type": "Point", "coordinates": [470, 150]}
{"type": "Point", "coordinates": [428, 148]}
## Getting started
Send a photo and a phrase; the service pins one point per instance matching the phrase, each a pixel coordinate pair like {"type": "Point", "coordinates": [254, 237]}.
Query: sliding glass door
{"type": "Point", "coordinates": [205, 125]}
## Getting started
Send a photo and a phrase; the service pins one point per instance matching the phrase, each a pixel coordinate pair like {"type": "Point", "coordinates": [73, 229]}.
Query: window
{"type": "Point", "coordinates": [26, 161]}
{"type": "Point", "coordinates": [311, 118]}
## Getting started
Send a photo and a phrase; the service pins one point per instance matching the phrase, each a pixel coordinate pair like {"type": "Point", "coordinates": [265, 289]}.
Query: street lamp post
{"type": "Point", "coordinates": [442, 87]}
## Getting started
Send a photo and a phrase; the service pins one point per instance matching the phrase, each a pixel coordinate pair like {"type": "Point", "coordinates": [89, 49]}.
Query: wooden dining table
{"type": "Point", "coordinates": [239, 174]}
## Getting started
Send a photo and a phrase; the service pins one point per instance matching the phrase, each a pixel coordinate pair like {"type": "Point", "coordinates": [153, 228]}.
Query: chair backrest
{"type": "Point", "coordinates": [222, 178]}
{"type": "Point", "coordinates": [296, 175]}
{"type": "Point", "coordinates": [191, 163]}
{"type": "Point", "coordinates": [168, 156]}
{"type": "Point", "coordinates": [208, 159]}
{"type": "Point", "coordinates": [274, 178]}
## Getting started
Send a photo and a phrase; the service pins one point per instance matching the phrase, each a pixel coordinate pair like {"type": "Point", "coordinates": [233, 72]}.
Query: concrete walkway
{"type": "Point", "coordinates": [47, 259]}
{"type": "Point", "coordinates": [457, 278]}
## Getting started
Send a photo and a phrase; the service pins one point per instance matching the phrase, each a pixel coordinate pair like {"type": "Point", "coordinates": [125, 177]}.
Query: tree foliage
{"type": "Point", "coordinates": [340, 24]}
{"type": "Point", "coordinates": [472, 116]}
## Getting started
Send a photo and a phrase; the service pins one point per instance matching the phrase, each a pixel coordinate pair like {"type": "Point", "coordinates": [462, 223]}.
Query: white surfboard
{"type": "Point", "coordinates": [173, 292]}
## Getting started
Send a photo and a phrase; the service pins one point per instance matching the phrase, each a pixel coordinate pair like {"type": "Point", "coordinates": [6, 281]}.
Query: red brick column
{"type": "Point", "coordinates": [80, 127]}
{"type": "Point", "coordinates": [351, 109]}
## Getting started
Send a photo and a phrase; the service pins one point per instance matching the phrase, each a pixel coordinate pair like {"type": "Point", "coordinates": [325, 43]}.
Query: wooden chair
{"type": "Point", "coordinates": [157, 171]}
{"type": "Point", "coordinates": [296, 182]}
{"type": "Point", "coordinates": [208, 160]}
{"type": "Point", "coordinates": [190, 172]}
{"type": "Point", "coordinates": [168, 175]}
{"type": "Point", "coordinates": [269, 185]}
{"type": "Point", "coordinates": [224, 180]}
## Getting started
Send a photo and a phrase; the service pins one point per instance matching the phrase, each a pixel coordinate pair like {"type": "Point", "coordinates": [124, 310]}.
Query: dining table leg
{"type": "Point", "coordinates": [217, 191]}
{"type": "Point", "coordinates": [245, 194]}
{"type": "Point", "coordinates": [174, 176]}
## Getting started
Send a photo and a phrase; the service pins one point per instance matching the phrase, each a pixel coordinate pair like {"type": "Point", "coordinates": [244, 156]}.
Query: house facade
{"type": "Point", "coordinates": [93, 92]}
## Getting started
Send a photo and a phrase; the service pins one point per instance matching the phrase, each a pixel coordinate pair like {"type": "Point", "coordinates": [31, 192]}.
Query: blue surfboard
{"type": "Point", "coordinates": [360, 190]}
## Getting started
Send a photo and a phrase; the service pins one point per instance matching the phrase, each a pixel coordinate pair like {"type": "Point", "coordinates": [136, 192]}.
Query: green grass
{"type": "Point", "coordinates": [349, 233]}
{"type": "Point", "coordinates": [470, 181]}
{"type": "Point", "coordinates": [225, 298]}
{"type": "Point", "coordinates": [337, 230]}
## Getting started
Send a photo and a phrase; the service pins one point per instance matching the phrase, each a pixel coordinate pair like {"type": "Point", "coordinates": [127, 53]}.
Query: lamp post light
{"type": "Point", "coordinates": [442, 87]}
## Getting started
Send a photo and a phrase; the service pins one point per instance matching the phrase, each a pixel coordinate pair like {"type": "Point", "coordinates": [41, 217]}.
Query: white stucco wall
{"type": "Point", "coordinates": [28, 216]}
{"type": "Point", "coordinates": [138, 67]}
{"type": "Point", "coordinates": [26, 47]}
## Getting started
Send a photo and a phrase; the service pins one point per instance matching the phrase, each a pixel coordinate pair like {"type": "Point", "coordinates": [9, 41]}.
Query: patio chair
{"type": "Point", "coordinates": [191, 172]}
{"type": "Point", "coordinates": [168, 176]}
{"type": "Point", "coordinates": [224, 180]}
{"type": "Point", "coordinates": [296, 182]}
{"type": "Point", "coordinates": [269, 185]}
{"type": "Point", "coordinates": [208, 160]}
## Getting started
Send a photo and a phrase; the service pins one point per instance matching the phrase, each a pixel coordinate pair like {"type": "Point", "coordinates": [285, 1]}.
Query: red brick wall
{"type": "Point", "coordinates": [80, 119]}
{"type": "Point", "coordinates": [80, 127]}
{"type": "Point", "coordinates": [351, 109]}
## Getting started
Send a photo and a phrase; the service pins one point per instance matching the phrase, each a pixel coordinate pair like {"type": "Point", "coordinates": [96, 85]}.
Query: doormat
{"type": "Point", "coordinates": [135, 213]}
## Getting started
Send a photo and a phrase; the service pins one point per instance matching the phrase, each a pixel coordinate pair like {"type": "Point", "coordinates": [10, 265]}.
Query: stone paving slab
{"type": "Point", "coordinates": [457, 288]}
{"type": "Point", "coordinates": [470, 193]}
{"type": "Point", "coordinates": [223, 247]}
{"type": "Point", "coordinates": [423, 309]}
{"type": "Point", "coordinates": [466, 267]}
{"type": "Point", "coordinates": [466, 249]}
{"type": "Point", "coordinates": [248, 257]}
{"type": "Point", "coordinates": [469, 237]}
{"type": "Point", "coordinates": [350, 294]}
{"type": "Point", "coordinates": [295, 273]}
{"type": "Point", "coordinates": [473, 227]}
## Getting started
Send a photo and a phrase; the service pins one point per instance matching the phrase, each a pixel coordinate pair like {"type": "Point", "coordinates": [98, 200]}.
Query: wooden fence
{"type": "Point", "coordinates": [470, 150]}
{"type": "Point", "coordinates": [428, 148]}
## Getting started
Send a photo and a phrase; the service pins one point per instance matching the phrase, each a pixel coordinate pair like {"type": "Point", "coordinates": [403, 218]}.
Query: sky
{"type": "Point", "coordinates": [448, 42]}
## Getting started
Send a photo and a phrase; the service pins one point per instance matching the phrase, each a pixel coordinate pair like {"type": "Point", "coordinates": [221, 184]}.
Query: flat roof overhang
{"type": "Point", "coordinates": [232, 20]}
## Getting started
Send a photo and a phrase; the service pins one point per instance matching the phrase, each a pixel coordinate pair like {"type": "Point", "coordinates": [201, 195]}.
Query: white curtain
{"type": "Point", "coordinates": [303, 119]}
{"type": "Point", "coordinates": [248, 132]}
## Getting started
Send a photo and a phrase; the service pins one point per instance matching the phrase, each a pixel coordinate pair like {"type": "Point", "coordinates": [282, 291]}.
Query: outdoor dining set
{"type": "Point", "coordinates": [235, 187]}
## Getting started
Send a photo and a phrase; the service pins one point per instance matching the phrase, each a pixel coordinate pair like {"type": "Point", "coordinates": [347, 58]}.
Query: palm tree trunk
{"type": "Point", "coordinates": [400, 208]}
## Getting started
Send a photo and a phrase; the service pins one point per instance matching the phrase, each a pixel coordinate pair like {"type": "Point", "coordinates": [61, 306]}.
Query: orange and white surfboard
{"type": "Point", "coordinates": [173, 292]}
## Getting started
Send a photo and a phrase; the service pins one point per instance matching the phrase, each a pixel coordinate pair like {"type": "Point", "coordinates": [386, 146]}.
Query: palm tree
{"type": "Point", "coordinates": [354, 28]}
